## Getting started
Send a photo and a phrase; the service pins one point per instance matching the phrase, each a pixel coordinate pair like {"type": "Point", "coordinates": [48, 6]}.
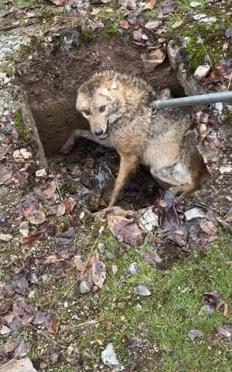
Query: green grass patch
{"type": "Point", "coordinates": [172, 310]}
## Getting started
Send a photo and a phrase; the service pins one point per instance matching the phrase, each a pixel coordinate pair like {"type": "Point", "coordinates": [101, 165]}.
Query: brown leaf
{"type": "Point", "coordinates": [32, 238]}
{"type": "Point", "coordinates": [50, 191]}
{"type": "Point", "coordinates": [80, 265]}
{"type": "Point", "coordinates": [124, 229]}
{"type": "Point", "coordinates": [149, 5]}
{"type": "Point", "coordinates": [37, 217]}
{"type": "Point", "coordinates": [69, 204]}
{"type": "Point", "coordinates": [5, 175]}
{"type": "Point", "coordinates": [10, 345]}
{"type": "Point", "coordinates": [51, 325]}
{"type": "Point", "coordinates": [154, 58]}
{"type": "Point", "coordinates": [208, 227]}
{"type": "Point", "coordinates": [215, 299]}
{"type": "Point", "coordinates": [99, 273]}
{"type": "Point", "coordinates": [94, 271]}
{"type": "Point", "coordinates": [124, 24]}
{"type": "Point", "coordinates": [5, 308]}
{"type": "Point", "coordinates": [52, 260]}
{"type": "Point", "coordinates": [23, 312]}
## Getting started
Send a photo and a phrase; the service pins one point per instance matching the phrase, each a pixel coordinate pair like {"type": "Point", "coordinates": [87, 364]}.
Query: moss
{"type": "Point", "coordinates": [203, 39]}
{"type": "Point", "coordinates": [228, 118]}
{"type": "Point", "coordinates": [7, 67]}
{"type": "Point", "coordinates": [24, 133]}
{"type": "Point", "coordinates": [150, 14]}
{"type": "Point", "coordinates": [111, 27]}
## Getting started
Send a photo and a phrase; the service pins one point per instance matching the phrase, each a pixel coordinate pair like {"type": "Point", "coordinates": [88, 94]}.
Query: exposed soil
{"type": "Point", "coordinates": [58, 74]}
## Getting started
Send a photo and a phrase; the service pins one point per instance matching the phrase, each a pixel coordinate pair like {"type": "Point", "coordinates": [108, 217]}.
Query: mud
{"type": "Point", "coordinates": [50, 79]}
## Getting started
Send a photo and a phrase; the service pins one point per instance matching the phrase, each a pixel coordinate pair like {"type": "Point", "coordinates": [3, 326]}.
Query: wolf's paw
{"type": "Point", "coordinates": [67, 148]}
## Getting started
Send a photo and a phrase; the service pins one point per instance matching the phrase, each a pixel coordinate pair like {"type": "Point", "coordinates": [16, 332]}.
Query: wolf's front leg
{"type": "Point", "coordinates": [68, 146]}
{"type": "Point", "coordinates": [128, 164]}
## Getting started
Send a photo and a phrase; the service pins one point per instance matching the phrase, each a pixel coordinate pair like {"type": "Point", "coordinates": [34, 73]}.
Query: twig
{"type": "Point", "coordinates": [89, 322]}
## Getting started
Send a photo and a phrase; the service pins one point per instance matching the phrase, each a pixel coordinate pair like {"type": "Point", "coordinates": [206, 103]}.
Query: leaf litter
{"type": "Point", "coordinates": [92, 273]}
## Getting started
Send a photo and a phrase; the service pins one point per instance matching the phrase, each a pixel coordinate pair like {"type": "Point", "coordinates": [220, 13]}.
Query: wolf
{"type": "Point", "coordinates": [117, 108]}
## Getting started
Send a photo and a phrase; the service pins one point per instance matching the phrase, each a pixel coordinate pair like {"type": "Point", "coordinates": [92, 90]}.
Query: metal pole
{"type": "Point", "coordinates": [192, 100]}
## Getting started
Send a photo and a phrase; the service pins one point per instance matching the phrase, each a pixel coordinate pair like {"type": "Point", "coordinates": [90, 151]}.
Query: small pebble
{"type": "Point", "coordinates": [84, 287]}
{"type": "Point", "coordinates": [41, 173]}
{"type": "Point", "coordinates": [7, 129]}
{"type": "Point", "coordinates": [201, 72]}
{"type": "Point", "coordinates": [142, 290]}
{"type": "Point", "coordinates": [194, 333]}
{"type": "Point", "coordinates": [101, 248]}
{"type": "Point", "coordinates": [109, 357]}
{"type": "Point", "coordinates": [133, 268]}
{"type": "Point", "coordinates": [2, 217]}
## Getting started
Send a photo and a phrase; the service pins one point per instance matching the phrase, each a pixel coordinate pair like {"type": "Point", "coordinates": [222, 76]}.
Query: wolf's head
{"type": "Point", "coordinates": [106, 97]}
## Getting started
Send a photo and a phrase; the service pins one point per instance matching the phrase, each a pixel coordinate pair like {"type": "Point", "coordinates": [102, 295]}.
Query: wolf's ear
{"type": "Point", "coordinates": [114, 85]}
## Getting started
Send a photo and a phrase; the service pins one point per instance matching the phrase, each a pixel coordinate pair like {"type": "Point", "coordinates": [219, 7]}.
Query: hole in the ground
{"type": "Point", "coordinates": [51, 80]}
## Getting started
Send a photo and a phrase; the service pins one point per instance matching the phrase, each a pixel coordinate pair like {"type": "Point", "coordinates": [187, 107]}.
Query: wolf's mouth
{"type": "Point", "coordinates": [103, 136]}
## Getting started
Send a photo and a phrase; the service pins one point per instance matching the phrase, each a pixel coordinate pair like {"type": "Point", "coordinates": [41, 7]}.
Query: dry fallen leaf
{"type": "Point", "coordinates": [52, 260]}
{"type": "Point", "coordinates": [58, 2]}
{"type": "Point", "coordinates": [32, 238]}
{"type": "Point", "coordinates": [215, 300]}
{"type": "Point", "coordinates": [5, 174]}
{"type": "Point", "coordinates": [37, 217]}
{"type": "Point", "coordinates": [51, 325]}
{"type": "Point", "coordinates": [208, 227]}
{"type": "Point", "coordinates": [114, 269]}
{"type": "Point", "coordinates": [50, 191]}
{"type": "Point", "coordinates": [93, 272]}
{"type": "Point", "coordinates": [149, 5]}
{"type": "Point", "coordinates": [124, 229]}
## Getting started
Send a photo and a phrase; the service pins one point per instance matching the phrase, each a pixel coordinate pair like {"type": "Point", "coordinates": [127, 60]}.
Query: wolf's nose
{"type": "Point", "coordinates": [98, 131]}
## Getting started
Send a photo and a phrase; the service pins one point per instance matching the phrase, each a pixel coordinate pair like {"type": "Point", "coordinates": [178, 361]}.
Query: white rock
{"type": "Point", "coordinates": [194, 333]}
{"type": "Point", "coordinates": [5, 330]}
{"type": "Point", "coordinates": [195, 4]}
{"type": "Point", "coordinates": [109, 357]}
{"type": "Point", "coordinates": [225, 169]}
{"type": "Point", "coordinates": [149, 220]}
{"type": "Point", "coordinates": [84, 287]}
{"type": "Point", "coordinates": [5, 237]}
{"type": "Point", "coordinates": [133, 268]}
{"type": "Point", "coordinates": [194, 213]}
{"type": "Point", "coordinates": [25, 153]}
{"type": "Point", "coordinates": [24, 228]}
{"type": "Point", "coordinates": [142, 290]}
{"type": "Point", "coordinates": [201, 71]}
{"type": "Point", "coordinates": [41, 173]}
{"type": "Point", "coordinates": [19, 365]}
{"type": "Point", "coordinates": [101, 247]}
{"type": "Point", "coordinates": [151, 25]}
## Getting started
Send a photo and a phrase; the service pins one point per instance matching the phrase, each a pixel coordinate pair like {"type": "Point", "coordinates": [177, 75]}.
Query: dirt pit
{"type": "Point", "coordinates": [50, 80]}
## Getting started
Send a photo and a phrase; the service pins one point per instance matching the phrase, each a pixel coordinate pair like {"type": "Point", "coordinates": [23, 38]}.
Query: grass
{"type": "Point", "coordinates": [166, 317]}
{"type": "Point", "coordinates": [211, 34]}
{"type": "Point", "coordinates": [163, 320]}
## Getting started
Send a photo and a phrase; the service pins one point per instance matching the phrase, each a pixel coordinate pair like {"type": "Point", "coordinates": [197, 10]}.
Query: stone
{"type": "Point", "coordinates": [109, 357]}
{"type": "Point", "coordinates": [142, 290]}
{"type": "Point", "coordinates": [101, 248]}
{"type": "Point", "coordinates": [202, 71]}
{"type": "Point", "coordinates": [84, 287]}
{"type": "Point", "coordinates": [41, 173]}
{"type": "Point", "coordinates": [19, 365]}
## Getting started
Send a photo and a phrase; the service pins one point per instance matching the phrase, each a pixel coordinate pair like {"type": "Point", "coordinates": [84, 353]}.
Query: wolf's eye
{"type": "Point", "coordinates": [102, 108]}
{"type": "Point", "coordinates": [86, 112]}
